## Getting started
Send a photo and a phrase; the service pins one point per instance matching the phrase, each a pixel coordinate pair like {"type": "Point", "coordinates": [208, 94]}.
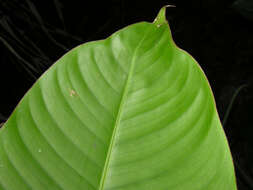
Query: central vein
{"type": "Point", "coordinates": [119, 115]}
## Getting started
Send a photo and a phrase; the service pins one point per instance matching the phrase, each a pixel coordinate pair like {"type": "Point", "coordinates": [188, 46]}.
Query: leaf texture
{"type": "Point", "coordinates": [131, 112]}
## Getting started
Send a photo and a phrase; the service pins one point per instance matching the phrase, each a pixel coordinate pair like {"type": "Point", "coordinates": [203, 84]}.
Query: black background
{"type": "Point", "coordinates": [217, 33]}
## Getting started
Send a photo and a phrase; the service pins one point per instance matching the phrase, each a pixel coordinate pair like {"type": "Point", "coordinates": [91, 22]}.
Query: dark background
{"type": "Point", "coordinates": [217, 33]}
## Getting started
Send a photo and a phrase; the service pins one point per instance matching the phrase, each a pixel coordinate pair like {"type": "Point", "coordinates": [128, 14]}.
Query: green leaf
{"type": "Point", "coordinates": [131, 112]}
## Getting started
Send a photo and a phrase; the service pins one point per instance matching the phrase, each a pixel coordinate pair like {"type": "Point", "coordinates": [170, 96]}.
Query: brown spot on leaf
{"type": "Point", "coordinates": [72, 93]}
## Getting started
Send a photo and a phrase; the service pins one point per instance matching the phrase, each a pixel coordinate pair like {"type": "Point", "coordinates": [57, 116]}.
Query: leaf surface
{"type": "Point", "coordinates": [131, 112]}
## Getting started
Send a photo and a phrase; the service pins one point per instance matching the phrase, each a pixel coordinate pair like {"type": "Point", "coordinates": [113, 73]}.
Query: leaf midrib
{"type": "Point", "coordinates": [119, 114]}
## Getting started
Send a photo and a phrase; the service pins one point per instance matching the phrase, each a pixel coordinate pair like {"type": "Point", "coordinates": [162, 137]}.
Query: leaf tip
{"type": "Point", "coordinates": [161, 17]}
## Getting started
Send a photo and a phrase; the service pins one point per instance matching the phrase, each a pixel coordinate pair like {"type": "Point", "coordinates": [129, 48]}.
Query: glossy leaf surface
{"type": "Point", "coordinates": [131, 112]}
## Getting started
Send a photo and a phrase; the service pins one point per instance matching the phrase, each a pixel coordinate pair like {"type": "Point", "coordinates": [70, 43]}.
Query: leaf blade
{"type": "Point", "coordinates": [129, 112]}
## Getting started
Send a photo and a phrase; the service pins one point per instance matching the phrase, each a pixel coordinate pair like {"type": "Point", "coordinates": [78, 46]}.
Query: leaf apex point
{"type": "Point", "coordinates": [161, 16]}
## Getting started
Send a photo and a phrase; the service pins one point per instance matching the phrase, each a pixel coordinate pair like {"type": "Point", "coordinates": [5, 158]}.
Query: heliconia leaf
{"type": "Point", "coordinates": [131, 112]}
